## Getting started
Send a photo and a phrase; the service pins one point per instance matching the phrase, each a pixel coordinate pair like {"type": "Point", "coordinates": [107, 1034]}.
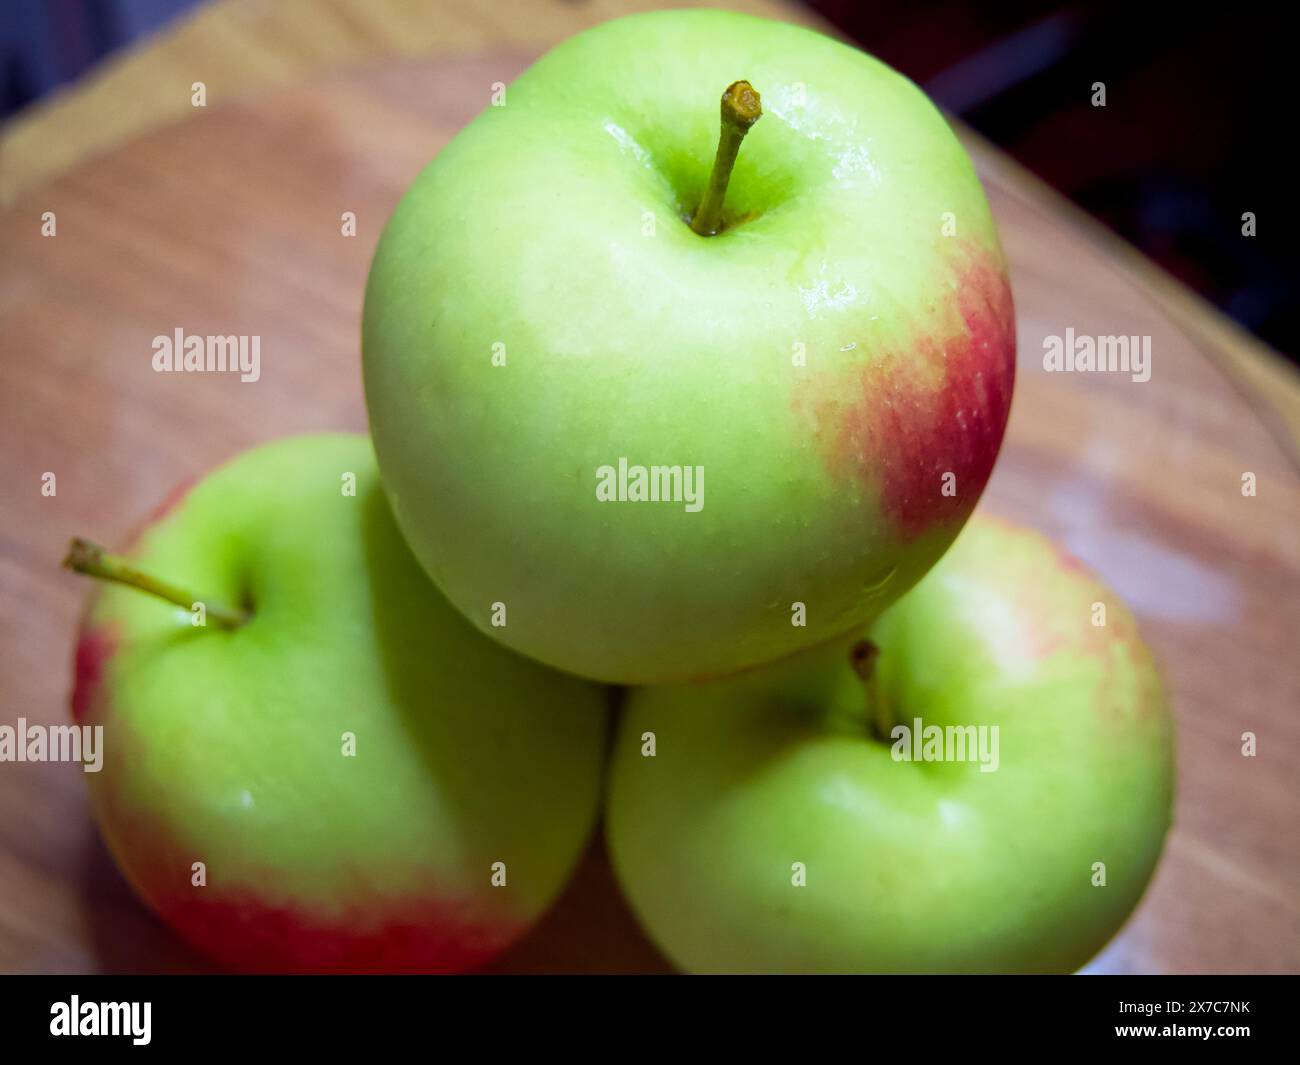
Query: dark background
{"type": "Point", "coordinates": [1195, 130]}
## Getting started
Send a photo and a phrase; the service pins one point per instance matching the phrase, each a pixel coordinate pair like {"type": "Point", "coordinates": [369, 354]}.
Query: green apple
{"type": "Point", "coordinates": [659, 455]}
{"type": "Point", "coordinates": [335, 771]}
{"type": "Point", "coordinates": [798, 819]}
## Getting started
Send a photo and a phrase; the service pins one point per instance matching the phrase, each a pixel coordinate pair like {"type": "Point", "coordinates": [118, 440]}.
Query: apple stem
{"type": "Point", "coordinates": [863, 656]}
{"type": "Point", "coordinates": [93, 561]}
{"type": "Point", "coordinates": [741, 108]}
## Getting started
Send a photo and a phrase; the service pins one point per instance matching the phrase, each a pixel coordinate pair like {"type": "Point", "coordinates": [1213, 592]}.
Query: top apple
{"type": "Point", "coordinates": [642, 454]}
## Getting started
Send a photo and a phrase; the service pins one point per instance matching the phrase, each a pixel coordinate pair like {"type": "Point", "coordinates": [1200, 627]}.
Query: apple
{"type": "Point", "coordinates": [853, 808]}
{"type": "Point", "coordinates": [335, 772]}
{"type": "Point", "coordinates": [673, 413]}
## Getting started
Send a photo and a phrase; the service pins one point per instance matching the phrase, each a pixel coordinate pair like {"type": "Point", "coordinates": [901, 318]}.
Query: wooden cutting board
{"type": "Point", "coordinates": [230, 223]}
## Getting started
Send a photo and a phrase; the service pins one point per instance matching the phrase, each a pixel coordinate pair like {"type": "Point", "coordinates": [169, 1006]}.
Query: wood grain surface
{"type": "Point", "coordinates": [229, 222]}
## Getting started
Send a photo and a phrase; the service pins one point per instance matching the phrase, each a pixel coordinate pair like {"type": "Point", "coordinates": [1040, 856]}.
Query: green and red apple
{"type": "Point", "coordinates": [661, 455]}
{"type": "Point", "coordinates": [335, 771]}
{"type": "Point", "coordinates": [797, 818]}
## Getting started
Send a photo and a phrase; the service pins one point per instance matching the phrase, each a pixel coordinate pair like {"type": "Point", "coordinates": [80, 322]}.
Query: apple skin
{"type": "Point", "coordinates": [225, 747]}
{"type": "Point", "coordinates": [910, 866]}
{"type": "Point", "coordinates": [824, 482]}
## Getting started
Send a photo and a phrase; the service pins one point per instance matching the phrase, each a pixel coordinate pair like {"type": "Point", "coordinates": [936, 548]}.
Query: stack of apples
{"type": "Point", "coordinates": [362, 723]}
